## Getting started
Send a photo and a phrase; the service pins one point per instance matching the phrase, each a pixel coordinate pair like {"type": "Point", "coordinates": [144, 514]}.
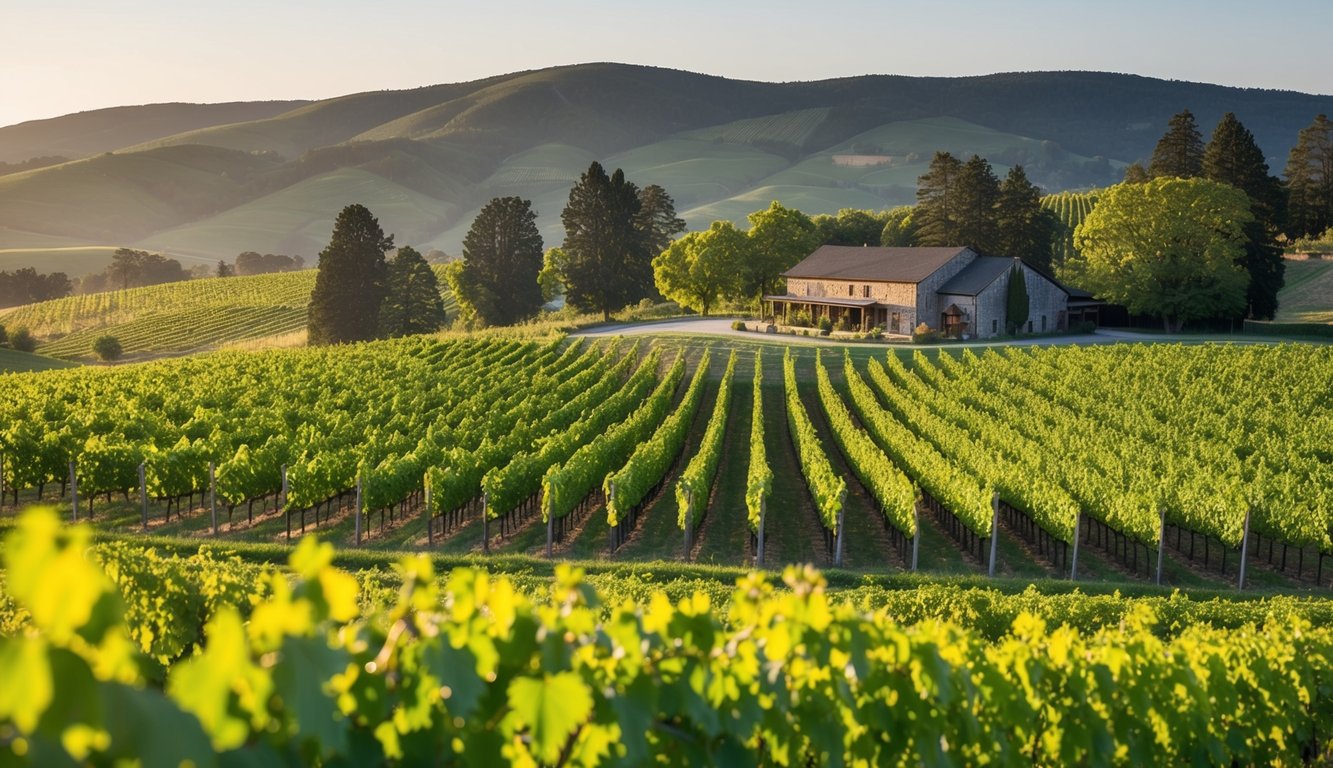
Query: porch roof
{"type": "Point", "coordinates": [833, 301]}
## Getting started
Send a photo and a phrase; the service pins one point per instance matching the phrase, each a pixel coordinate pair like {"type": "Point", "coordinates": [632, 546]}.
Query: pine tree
{"type": "Point", "coordinates": [502, 256]}
{"type": "Point", "coordinates": [1135, 173]}
{"type": "Point", "coordinates": [607, 262]}
{"type": "Point", "coordinates": [1179, 153]}
{"type": "Point", "coordinates": [978, 192]}
{"type": "Point", "coordinates": [1026, 230]}
{"type": "Point", "coordinates": [938, 212]}
{"type": "Point", "coordinates": [657, 218]}
{"type": "Point", "coordinates": [1310, 180]}
{"type": "Point", "coordinates": [1016, 305]}
{"type": "Point", "coordinates": [1232, 157]}
{"type": "Point", "coordinates": [349, 288]}
{"type": "Point", "coordinates": [412, 302]}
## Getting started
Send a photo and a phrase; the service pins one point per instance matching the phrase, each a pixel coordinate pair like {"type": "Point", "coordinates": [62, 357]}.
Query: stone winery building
{"type": "Point", "coordinates": [954, 290]}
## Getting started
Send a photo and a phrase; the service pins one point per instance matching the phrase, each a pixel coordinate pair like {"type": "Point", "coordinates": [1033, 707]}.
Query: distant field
{"type": "Point", "coordinates": [175, 318]}
{"type": "Point", "coordinates": [811, 199]}
{"type": "Point", "coordinates": [695, 170]}
{"type": "Point", "coordinates": [1308, 294]}
{"type": "Point", "coordinates": [12, 360]}
{"type": "Point", "coordinates": [790, 128]}
{"type": "Point", "coordinates": [74, 261]}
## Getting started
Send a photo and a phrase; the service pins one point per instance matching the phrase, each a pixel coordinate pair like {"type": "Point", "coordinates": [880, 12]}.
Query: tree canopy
{"type": "Point", "coordinates": [502, 256]}
{"type": "Point", "coordinates": [1309, 175]}
{"type": "Point", "coordinates": [700, 268]}
{"type": "Point", "coordinates": [1023, 228]}
{"type": "Point", "coordinates": [1232, 157]}
{"type": "Point", "coordinates": [1169, 248]}
{"type": "Point", "coordinates": [412, 302]}
{"type": "Point", "coordinates": [349, 288]}
{"type": "Point", "coordinates": [1179, 152]}
{"type": "Point", "coordinates": [608, 264]}
{"type": "Point", "coordinates": [779, 238]}
{"type": "Point", "coordinates": [1017, 306]}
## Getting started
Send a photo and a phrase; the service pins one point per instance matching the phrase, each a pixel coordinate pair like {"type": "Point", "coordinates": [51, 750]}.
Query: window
{"type": "Point", "coordinates": [1029, 326]}
{"type": "Point", "coordinates": [851, 290]}
{"type": "Point", "coordinates": [895, 323]}
{"type": "Point", "coordinates": [994, 326]}
{"type": "Point", "coordinates": [1043, 322]}
{"type": "Point", "coordinates": [865, 291]}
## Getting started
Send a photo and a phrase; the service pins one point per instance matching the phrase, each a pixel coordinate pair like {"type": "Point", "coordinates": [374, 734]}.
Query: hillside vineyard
{"type": "Point", "coordinates": [1124, 442]}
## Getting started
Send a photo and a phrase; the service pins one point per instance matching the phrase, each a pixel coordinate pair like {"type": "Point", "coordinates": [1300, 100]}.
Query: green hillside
{"type": "Point", "coordinates": [72, 260]}
{"type": "Point", "coordinates": [174, 318]}
{"type": "Point", "coordinates": [272, 178]}
{"type": "Point", "coordinates": [13, 361]}
{"type": "Point", "coordinates": [1307, 296]}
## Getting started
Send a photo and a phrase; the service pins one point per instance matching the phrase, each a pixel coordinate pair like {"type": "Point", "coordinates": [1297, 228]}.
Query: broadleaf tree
{"type": "Point", "coordinates": [1169, 248]}
{"type": "Point", "coordinates": [701, 268]}
{"type": "Point", "coordinates": [349, 287]}
{"type": "Point", "coordinates": [779, 238]}
{"type": "Point", "coordinates": [502, 257]}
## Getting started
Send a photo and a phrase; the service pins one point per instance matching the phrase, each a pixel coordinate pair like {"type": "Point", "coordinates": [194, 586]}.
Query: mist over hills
{"type": "Point", "coordinates": [205, 182]}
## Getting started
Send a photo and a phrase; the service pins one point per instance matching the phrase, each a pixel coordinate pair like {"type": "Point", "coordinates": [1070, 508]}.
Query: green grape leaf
{"type": "Point", "coordinates": [549, 709]}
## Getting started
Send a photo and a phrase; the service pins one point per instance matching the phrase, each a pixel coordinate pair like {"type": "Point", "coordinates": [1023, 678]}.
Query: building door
{"type": "Point", "coordinates": [895, 322]}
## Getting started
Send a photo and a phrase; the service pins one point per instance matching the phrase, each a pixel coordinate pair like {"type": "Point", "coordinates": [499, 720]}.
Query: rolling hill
{"type": "Point", "coordinates": [205, 182]}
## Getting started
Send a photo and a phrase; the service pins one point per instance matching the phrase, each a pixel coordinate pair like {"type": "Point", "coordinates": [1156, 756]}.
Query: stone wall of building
{"type": "Point", "coordinates": [1045, 300]}
{"type": "Point", "coordinates": [930, 307]}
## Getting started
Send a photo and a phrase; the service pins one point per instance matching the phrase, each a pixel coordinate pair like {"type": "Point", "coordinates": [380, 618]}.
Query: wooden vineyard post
{"type": "Point", "coordinates": [2, 480]}
{"type": "Point", "coordinates": [430, 527]}
{"type": "Point", "coordinates": [1073, 560]}
{"type": "Point", "coordinates": [143, 492]}
{"type": "Point", "coordinates": [74, 493]}
{"type": "Point", "coordinates": [358, 509]}
{"type": "Point", "coordinates": [689, 522]}
{"type": "Point", "coordinates": [916, 538]}
{"type": "Point", "coordinates": [1161, 548]}
{"type": "Point", "coordinates": [213, 495]}
{"type": "Point", "coordinates": [994, 530]}
{"type": "Point", "coordinates": [485, 524]}
{"type": "Point", "coordinates": [283, 503]}
{"type": "Point", "coordinates": [1244, 550]}
{"type": "Point", "coordinates": [763, 510]}
{"type": "Point", "coordinates": [842, 511]}
{"type": "Point", "coordinates": [550, 526]}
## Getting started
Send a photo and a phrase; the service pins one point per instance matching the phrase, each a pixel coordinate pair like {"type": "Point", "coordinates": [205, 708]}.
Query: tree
{"type": "Point", "coordinates": [779, 237]}
{"type": "Point", "coordinates": [608, 265]}
{"type": "Point", "coordinates": [224, 269]}
{"type": "Point", "coordinates": [502, 257]}
{"type": "Point", "coordinates": [412, 302]}
{"type": "Point", "coordinates": [1016, 304]}
{"type": "Point", "coordinates": [22, 339]}
{"type": "Point", "coordinates": [851, 226]}
{"type": "Point", "coordinates": [1135, 173]}
{"type": "Point", "coordinates": [899, 228]}
{"type": "Point", "coordinates": [551, 279]}
{"type": "Point", "coordinates": [26, 286]}
{"type": "Point", "coordinates": [1232, 157]}
{"type": "Point", "coordinates": [107, 348]}
{"type": "Point", "coordinates": [701, 267]}
{"type": "Point", "coordinates": [1168, 248]}
{"type": "Point", "coordinates": [657, 219]}
{"type": "Point", "coordinates": [4, 337]}
{"type": "Point", "coordinates": [938, 213]}
{"type": "Point", "coordinates": [978, 193]}
{"type": "Point", "coordinates": [131, 268]}
{"type": "Point", "coordinates": [1024, 229]}
{"type": "Point", "coordinates": [1179, 152]}
{"type": "Point", "coordinates": [1309, 175]}
{"type": "Point", "coordinates": [349, 287]}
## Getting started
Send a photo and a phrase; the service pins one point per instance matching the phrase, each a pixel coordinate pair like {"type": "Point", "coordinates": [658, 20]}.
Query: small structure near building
{"type": "Point", "coordinates": [955, 290]}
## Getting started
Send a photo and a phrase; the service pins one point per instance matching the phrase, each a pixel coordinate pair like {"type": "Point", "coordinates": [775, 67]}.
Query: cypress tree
{"type": "Point", "coordinates": [412, 302]}
{"type": "Point", "coordinates": [1179, 153]}
{"type": "Point", "coordinates": [1016, 299]}
{"type": "Point", "coordinates": [1232, 157]}
{"type": "Point", "coordinates": [1309, 175]}
{"type": "Point", "coordinates": [502, 255]}
{"type": "Point", "coordinates": [349, 287]}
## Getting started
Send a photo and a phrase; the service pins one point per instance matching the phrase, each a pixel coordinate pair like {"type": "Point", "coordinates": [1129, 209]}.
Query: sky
{"type": "Point", "coordinates": [63, 56]}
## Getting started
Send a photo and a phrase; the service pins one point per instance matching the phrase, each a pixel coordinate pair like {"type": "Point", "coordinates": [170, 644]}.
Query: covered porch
{"type": "Point", "coordinates": [857, 314]}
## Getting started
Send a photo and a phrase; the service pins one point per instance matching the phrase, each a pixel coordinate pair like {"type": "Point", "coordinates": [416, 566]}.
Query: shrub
{"type": "Point", "coordinates": [107, 348]}
{"type": "Point", "coordinates": [23, 340]}
{"type": "Point", "coordinates": [844, 323]}
{"type": "Point", "coordinates": [924, 334]}
{"type": "Point", "coordinates": [825, 326]}
{"type": "Point", "coordinates": [738, 325]}
{"type": "Point", "coordinates": [800, 318]}
{"type": "Point", "coordinates": [1086, 326]}
{"type": "Point", "coordinates": [876, 332]}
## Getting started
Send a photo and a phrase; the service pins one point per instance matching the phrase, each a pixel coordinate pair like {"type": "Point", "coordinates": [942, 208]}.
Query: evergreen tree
{"type": "Point", "coordinates": [938, 210]}
{"type": "Point", "coordinates": [1179, 153]}
{"type": "Point", "coordinates": [412, 302]}
{"type": "Point", "coordinates": [1310, 180]}
{"type": "Point", "coordinates": [502, 256]}
{"type": "Point", "coordinates": [349, 288]}
{"type": "Point", "coordinates": [1016, 305]}
{"type": "Point", "coordinates": [1026, 230]}
{"type": "Point", "coordinates": [607, 264]}
{"type": "Point", "coordinates": [1135, 173]}
{"type": "Point", "coordinates": [978, 193]}
{"type": "Point", "coordinates": [657, 219]}
{"type": "Point", "coordinates": [1232, 157]}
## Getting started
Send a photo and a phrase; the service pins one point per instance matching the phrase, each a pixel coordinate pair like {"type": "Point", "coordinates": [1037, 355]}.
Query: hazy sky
{"type": "Point", "coordinates": [60, 56]}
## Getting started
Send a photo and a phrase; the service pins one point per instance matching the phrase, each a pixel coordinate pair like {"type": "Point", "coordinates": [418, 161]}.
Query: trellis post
{"type": "Point", "coordinates": [1244, 550]}
{"type": "Point", "coordinates": [143, 491]}
{"type": "Point", "coordinates": [74, 493]}
{"type": "Point", "coordinates": [1161, 548]}
{"type": "Point", "coordinates": [213, 495]}
{"type": "Point", "coordinates": [916, 538]}
{"type": "Point", "coordinates": [763, 509]}
{"type": "Point", "coordinates": [485, 524]}
{"type": "Point", "coordinates": [358, 509]}
{"type": "Point", "coordinates": [1078, 532]}
{"type": "Point", "coordinates": [842, 510]}
{"type": "Point", "coordinates": [994, 530]}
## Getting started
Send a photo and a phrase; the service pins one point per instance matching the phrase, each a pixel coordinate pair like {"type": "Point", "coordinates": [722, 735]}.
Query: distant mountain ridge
{"type": "Point", "coordinates": [209, 181]}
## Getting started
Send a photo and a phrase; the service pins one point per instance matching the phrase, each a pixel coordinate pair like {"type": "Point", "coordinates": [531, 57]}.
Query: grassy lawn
{"type": "Point", "coordinates": [1307, 296]}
